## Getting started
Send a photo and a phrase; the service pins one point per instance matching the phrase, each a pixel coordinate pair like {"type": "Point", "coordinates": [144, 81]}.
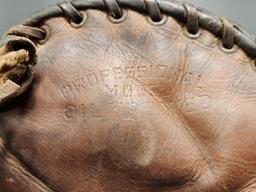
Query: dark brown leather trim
{"type": "Point", "coordinates": [31, 32]}
{"type": "Point", "coordinates": [153, 10]}
{"type": "Point", "coordinates": [113, 8]}
{"type": "Point", "coordinates": [228, 34]}
{"type": "Point", "coordinates": [192, 18]}
{"type": "Point", "coordinates": [169, 7]}
{"type": "Point", "coordinates": [70, 12]}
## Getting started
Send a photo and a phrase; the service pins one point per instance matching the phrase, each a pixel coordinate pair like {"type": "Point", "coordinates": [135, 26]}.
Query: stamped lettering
{"type": "Point", "coordinates": [129, 72]}
{"type": "Point", "coordinates": [104, 74]}
{"type": "Point", "coordinates": [111, 90]}
{"type": "Point", "coordinates": [70, 112]}
{"type": "Point", "coordinates": [118, 72]}
{"type": "Point", "coordinates": [141, 72]}
{"type": "Point", "coordinates": [115, 81]}
{"type": "Point", "coordinates": [66, 91]}
{"type": "Point", "coordinates": [92, 79]}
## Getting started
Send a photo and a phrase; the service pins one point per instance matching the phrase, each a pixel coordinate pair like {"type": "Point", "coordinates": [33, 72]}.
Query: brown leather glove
{"type": "Point", "coordinates": [128, 96]}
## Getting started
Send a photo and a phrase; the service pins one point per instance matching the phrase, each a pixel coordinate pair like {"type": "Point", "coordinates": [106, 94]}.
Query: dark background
{"type": "Point", "coordinates": [242, 11]}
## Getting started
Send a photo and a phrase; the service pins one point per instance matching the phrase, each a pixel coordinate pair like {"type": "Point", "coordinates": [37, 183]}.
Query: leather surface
{"type": "Point", "coordinates": [133, 107]}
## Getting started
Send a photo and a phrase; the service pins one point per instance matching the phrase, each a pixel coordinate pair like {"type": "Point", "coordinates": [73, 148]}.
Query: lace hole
{"type": "Point", "coordinates": [192, 35]}
{"type": "Point", "coordinates": [120, 19]}
{"type": "Point", "coordinates": [226, 50]}
{"type": "Point", "coordinates": [158, 23]}
{"type": "Point", "coordinates": [47, 30]}
{"type": "Point", "coordinates": [80, 24]}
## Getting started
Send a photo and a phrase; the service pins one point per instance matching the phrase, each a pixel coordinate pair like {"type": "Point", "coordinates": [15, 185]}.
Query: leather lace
{"type": "Point", "coordinates": [194, 18]}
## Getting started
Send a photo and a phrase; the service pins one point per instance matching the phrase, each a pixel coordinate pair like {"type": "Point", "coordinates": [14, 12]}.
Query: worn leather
{"type": "Point", "coordinates": [132, 107]}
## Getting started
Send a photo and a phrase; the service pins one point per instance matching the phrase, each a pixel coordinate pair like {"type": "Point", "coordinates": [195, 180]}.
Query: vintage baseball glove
{"type": "Point", "coordinates": [127, 96]}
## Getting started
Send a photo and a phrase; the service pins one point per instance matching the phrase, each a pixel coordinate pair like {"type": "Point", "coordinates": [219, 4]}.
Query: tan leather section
{"type": "Point", "coordinates": [136, 107]}
{"type": "Point", "coordinates": [8, 88]}
{"type": "Point", "coordinates": [9, 62]}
